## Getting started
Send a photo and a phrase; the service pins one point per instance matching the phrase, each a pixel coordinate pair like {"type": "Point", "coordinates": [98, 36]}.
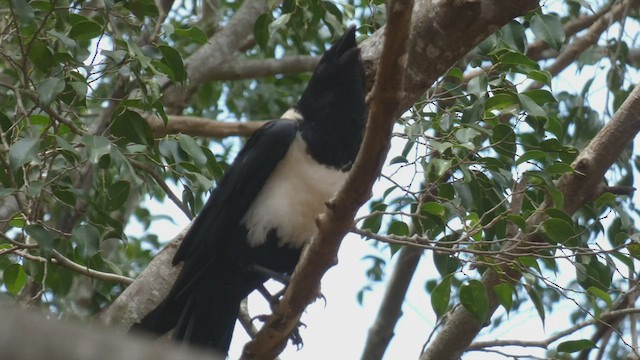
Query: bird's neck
{"type": "Point", "coordinates": [333, 141]}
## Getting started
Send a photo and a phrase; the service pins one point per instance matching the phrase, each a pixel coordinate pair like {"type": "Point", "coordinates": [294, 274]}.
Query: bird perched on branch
{"type": "Point", "coordinates": [263, 211]}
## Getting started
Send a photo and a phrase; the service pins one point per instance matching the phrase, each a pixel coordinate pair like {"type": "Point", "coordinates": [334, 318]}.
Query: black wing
{"type": "Point", "coordinates": [195, 305]}
{"type": "Point", "coordinates": [211, 232]}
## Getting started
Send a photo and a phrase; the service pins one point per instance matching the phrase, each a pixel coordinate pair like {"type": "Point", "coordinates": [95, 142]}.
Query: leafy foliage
{"type": "Point", "coordinates": [474, 160]}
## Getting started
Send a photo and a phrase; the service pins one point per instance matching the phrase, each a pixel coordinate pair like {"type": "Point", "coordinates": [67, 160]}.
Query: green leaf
{"type": "Point", "coordinates": [433, 208]}
{"type": "Point", "coordinates": [474, 298]}
{"type": "Point", "coordinates": [118, 193]}
{"type": "Point", "coordinates": [398, 160]}
{"type": "Point", "coordinates": [440, 296]}
{"type": "Point", "coordinates": [194, 33]}
{"type": "Point", "coordinates": [549, 29]}
{"type": "Point", "coordinates": [261, 30]}
{"type": "Point", "coordinates": [605, 199]}
{"type": "Point", "coordinates": [590, 272]}
{"type": "Point", "coordinates": [501, 102]}
{"type": "Point", "coordinates": [42, 236]}
{"type": "Point", "coordinates": [14, 278]}
{"type": "Point", "coordinates": [503, 140]}
{"type": "Point", "coordinates": [142, 8]}
{"type": "Point", "coordinates": [173, 60]}
{"type": "Point", "coordinates": [279, 23]}
{"type": "Point", "coordinates": [575, 346]}
{"type": "Point", "coordinates": [540, 96]}
{"type": "Point", "coordinates": [537, 303]}
{"type": "Point", "coordinates": [445, 263]}
{"type": "Point", "coordinates": [22, 152]}
{"type": "Point", "coordinates": [442, 166]}
{"type": "Point", "coordinates": [373, 222]}
{"type": "Point", "coordinates": [398, 228]}
{"type": "Point", "coordinates": [603, 295]}
{"type": "Point", "coordinates": [191, 147]}
{"type": "Point", "coordinates": [558, 169]}
{"type": "Point", "coordinates": [513, 34]}
{"type": "Point", "coordinates": [23, 10]}
{"type": "Point", "coordinates": [87, 238]}
{"type": "Point", "coordinates": [559, 231]}
{"type": "Point", "coordinates": [530, 106]}
{"type": "Point", "coordinates": [85, 30]}
{"type": "Point", "coordinates": [64, 195]}
{"type": "Point", "coordinates": [520, 60]}
{"type": "Point", "coordinates": [132, 126]}
{"type": "Point", "coordinates": [541, 76]}
{"type": "Point", "coordinates": [96, 146]}
{"type": "Point", "coordinates": [536, 155]}
{"type": "Point", "coordinates": [49, 89]}
{"type": "Point", "coordinates": [504, 293]}
{"type": "Point", "coordinates": [40, 56]}
{"type": "Point", "coordinates": [465, 135]}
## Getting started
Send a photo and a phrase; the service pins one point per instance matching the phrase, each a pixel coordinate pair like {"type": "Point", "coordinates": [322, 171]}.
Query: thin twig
{"type": "Point", "coordinates": [160, 181]}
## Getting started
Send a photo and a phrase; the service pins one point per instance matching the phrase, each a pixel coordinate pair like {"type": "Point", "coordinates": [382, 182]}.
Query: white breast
{"type": "Point", "coordinates": [292, 198]}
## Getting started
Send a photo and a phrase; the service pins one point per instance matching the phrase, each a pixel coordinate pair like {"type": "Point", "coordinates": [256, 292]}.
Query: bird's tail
{"type": "Point", "coordinates": [200, 318]}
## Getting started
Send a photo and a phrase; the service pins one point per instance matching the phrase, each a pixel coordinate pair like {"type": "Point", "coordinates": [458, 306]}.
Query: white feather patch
{"type": "Point", "coordinates": [292, 198]}
{"type": "Point", "coordinates": [292, 114]}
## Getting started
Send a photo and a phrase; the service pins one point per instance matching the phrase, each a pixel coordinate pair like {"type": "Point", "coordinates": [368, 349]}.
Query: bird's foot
{"type": "Point", "coordinates": [295, 337]}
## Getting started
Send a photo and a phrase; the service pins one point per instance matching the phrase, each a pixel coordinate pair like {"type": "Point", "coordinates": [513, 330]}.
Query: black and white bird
{"type": "Point", "coordinates": [263, 211]}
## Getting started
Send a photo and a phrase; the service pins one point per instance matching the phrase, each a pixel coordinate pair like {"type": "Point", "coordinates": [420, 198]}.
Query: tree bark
{"type": "Point", "coordinates": [28, 336]}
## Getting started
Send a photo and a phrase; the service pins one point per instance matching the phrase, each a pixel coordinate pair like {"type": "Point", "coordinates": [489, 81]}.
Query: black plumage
{"type": "Point", "coordinates": [264, 208]}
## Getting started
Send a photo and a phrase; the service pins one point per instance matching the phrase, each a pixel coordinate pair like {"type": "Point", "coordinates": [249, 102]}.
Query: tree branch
{"type": "Point", "coordinates": [334, 224]}
{"type": "Point", "coordinates": [59, 259]}
{"type": "Point", "coordinates": [591, 37]}
{"type": "Point", "coordinates": [257, 68]}
{"type": "Point", "coordinates": [536, 50]}
{"type": "Point", "coordinates": [602, 319]}
{"type": "Point", "coordinates": [28, 336]}
{"type": "Point", "coordinates": [198, 126]}
{"type": "Point", "coordinates": [219, 48]}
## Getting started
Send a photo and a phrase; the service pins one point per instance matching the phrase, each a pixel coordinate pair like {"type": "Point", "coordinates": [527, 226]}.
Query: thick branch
{"type": "Point", "coordinates": [197, 126]}
{"type": "Point", "coordinates": [27, 336]}
{"type": "Point", "coordinates": [257, 68]}
{"type": "Point", "coordinates": [590, 38]}
{"type": "Point", "coordinates": [146, 292]}
{"type": "Point", "coordinates": [572, 27]}
{"type": "Point", "coordinates": [435, 26]}
{"type": "Point", "coordinates": [219, 48]}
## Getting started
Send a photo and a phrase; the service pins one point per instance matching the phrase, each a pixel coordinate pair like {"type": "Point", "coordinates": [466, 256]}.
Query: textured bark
{"type": "Point", "coordinates": [27, 336]}
{"type": "Point", "coordinates": [146, 292]}
{"type": "Point", "coordinates": [257, 68]}
{"type": "Point", "coordinates": [435, 27]}
{"type": "Point", "coordinates": [196, 126]}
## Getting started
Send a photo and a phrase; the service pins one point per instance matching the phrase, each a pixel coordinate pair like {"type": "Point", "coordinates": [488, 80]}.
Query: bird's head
{"type": "Point", "coordinates": [336, 90]}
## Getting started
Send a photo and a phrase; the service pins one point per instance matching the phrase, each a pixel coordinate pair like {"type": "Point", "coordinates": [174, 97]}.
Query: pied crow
{"type": "Point", "coordinates": [264, 208]}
